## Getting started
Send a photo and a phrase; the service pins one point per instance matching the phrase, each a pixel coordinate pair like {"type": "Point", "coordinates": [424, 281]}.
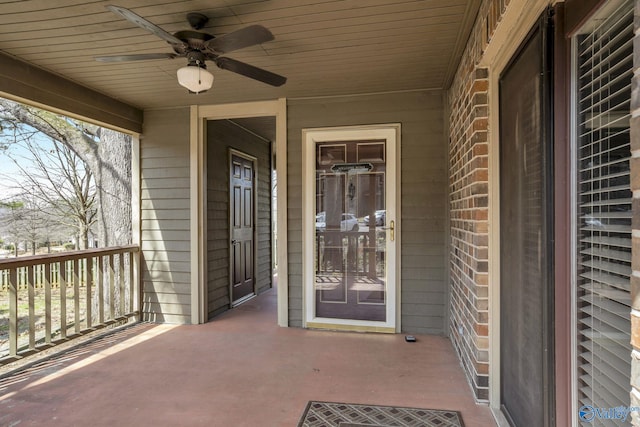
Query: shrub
{"type": "Point", "coordinates": [69, 246]}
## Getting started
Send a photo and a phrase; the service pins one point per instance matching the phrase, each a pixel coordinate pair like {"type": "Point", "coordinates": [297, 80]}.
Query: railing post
{"type": "Point", "coordinates": [121, 257]}
{"type": "Point", "coordinates": [101, 289]}
{"type": "Point", "coordinates": [63, 299]}
{"type": "Point", "coordinates": [89, 284]}
{"type": "Point", "coordinates": [112, 288]}
{"type": "Point", "coordinates": [137, 284]}
{"type": "Point", "coordinates": [76, 296]}
{"type": "Point", "coordinates": [13, 311]}
{"type": "Point", "coordinates": [131, 284]}
{"type": "Point", "coordinates": [47, 303]}
{"type": "Point", "coordinates": [32, 309]}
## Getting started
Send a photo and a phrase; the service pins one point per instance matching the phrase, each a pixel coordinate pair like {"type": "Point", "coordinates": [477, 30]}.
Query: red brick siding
{"type": "Point", "coordinates": [469, 202]}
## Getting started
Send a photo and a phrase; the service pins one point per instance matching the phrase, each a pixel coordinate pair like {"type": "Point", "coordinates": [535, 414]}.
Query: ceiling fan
{"type": "Point", "coordinates": [198, 47]}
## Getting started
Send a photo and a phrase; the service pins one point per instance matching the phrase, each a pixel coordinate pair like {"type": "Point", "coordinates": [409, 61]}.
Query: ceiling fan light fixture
{"type": "Point", "coordinates": [195, 78]}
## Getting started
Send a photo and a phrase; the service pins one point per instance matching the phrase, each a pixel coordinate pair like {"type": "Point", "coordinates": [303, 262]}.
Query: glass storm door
{"type": "Point", "coordinates": [354, 230]}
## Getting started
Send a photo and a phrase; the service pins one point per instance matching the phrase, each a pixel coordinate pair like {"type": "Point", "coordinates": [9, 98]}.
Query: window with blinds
{"type": "Point", "coordinates": [604, 68]}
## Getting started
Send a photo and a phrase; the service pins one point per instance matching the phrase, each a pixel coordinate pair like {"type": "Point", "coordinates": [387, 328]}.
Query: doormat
{"type": "Point", "coordinates": [329, 414]}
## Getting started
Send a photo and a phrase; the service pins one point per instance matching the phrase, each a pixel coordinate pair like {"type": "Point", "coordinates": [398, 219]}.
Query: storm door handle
{"type": "Point", "coordinates": [391, 228]}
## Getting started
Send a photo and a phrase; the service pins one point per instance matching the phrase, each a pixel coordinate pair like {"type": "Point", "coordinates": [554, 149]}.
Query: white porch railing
{"type": "Point", "coordinates": [49, 299]}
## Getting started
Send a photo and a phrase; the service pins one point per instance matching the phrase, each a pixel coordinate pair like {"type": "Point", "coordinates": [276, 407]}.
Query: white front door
{"type": "Point", "coordinates": [350, 228]}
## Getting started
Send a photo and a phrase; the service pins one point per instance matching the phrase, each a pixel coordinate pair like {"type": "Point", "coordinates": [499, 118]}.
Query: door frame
{"type": "Point", "coordinates": [199, 115]}
{"type": "Point", "coordinates": [254, 215]}
{"type": "Point", "coordinates": [389, 132]}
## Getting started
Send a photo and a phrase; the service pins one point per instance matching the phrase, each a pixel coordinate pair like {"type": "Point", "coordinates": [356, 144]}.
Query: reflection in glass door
{"type": "Point", "coordinates": [350, 230]}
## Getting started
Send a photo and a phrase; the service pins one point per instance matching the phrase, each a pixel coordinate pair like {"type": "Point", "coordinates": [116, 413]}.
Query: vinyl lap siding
{"type": "Point", "coordinates": [423, 199]}
{"type": "Point", "coordinates": [165, 216]}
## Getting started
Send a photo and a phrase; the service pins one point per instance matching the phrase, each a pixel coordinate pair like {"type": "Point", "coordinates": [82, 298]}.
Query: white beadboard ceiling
{"type": "Point", "coordinates": [323, 47]}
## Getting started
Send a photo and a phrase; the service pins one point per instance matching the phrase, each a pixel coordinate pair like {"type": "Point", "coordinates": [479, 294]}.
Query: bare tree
{"type": "Point", "coordinates": [11, 220]}
{"type": "Point", "coordinates": [56, 178]}
{"type": "Point", "coordinates": [32, 223]}
{"type": "Point", "coordinates": [105, 153]}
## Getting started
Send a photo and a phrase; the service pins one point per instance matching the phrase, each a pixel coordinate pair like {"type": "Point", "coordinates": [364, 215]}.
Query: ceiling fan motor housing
{"type": "Point", "coordinates": [195, 58]}
{"type": "Point", "coordinates": [192, 39]}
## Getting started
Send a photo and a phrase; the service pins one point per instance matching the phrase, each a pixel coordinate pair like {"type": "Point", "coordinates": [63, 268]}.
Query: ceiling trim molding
{"type": "Point", "coordinates": [26, 83]}
{"type": "Point", "coordinates": [466, 27]}
{"type": "Point", "coordinates": [355, 95]}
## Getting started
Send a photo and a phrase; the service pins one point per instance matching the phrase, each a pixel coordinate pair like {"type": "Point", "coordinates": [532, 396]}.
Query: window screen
{"type": "Point", "coordinates": [604, 61]}
{"type": "Point", "coordinates": [524, 233]}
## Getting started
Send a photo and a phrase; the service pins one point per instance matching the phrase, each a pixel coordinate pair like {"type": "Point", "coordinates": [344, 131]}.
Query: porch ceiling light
{"type": "Point", "coordinates": [195, 77]}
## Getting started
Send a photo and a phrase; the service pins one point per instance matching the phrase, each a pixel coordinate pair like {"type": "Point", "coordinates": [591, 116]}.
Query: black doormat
{"type": "Point", "coordinates": [329, 414]}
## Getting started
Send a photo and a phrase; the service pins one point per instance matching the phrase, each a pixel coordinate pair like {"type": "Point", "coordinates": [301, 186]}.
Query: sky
{"type": "Point", "coordinates": [9, 171]}
{"type": "Point", "coordinates": [7, 168]}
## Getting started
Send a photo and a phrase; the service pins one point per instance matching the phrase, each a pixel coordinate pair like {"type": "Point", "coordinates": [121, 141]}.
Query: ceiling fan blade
{"type": "Point", "coordinates": [250, 71]}
{"type": "Point", "coordinates": [248, 36]}
{"type": "Point", "coordinates": [136, 57]}
{"type": "Point", "coordinates": [143, 23]}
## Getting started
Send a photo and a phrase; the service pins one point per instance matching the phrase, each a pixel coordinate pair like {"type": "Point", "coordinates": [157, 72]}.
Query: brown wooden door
{"type": "Point", "coordinates": [242, 191]}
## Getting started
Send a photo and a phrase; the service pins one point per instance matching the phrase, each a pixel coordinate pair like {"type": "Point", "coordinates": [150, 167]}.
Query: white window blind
{"type": "Point", "coordinates": [604, 68]}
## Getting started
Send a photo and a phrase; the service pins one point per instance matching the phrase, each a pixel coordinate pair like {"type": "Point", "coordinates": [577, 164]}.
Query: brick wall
{"type": "Point", "coordinates": [468, 185]}
{"type": "Point", "coordinates": [635, 187]}
{"type": "Point", "coordinates": [469, 203]}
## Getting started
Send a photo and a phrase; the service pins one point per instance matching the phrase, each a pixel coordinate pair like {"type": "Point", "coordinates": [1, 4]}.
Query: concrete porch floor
{"type": "Point", "coordinates": [239, 370]}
